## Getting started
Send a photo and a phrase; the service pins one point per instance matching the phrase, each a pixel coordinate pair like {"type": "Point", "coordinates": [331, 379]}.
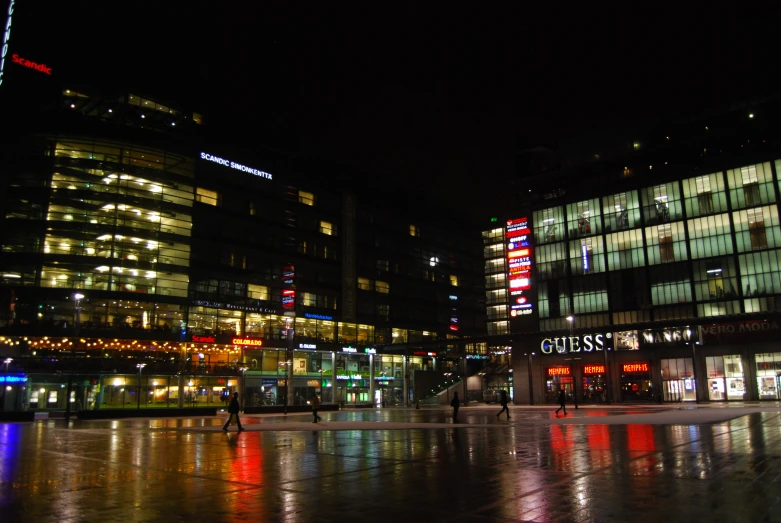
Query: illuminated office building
{"type": "Point", "coordinates": [656, 276]}
{"type": "Point", "coordinates": [163, 270]}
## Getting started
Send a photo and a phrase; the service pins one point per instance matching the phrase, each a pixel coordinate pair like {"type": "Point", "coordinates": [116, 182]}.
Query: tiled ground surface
{"type": "Point", "coordinates": [535, 468]}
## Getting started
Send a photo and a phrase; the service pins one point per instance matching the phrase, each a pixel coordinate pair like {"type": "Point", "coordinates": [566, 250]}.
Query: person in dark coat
{"type": "Point", "coordinates": [233, 410]}
{"type": "Point", "coordinates": [503, 401]}
{"type": "Point", "coordinates": [315, 407]}
{"type": "Point", "coordinates": [562, 404]}
{"type": "Point", "coordinates": [455, 403]}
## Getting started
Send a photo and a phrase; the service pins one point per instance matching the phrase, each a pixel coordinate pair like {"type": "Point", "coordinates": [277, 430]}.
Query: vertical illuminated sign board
{"type": "Point", "coordinates": [6, 37]}
{"type": "Point", "coordinates": [519, 266]}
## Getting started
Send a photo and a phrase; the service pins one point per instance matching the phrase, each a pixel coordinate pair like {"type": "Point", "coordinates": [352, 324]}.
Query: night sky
{"type": "Point", "coordinates": [418, 95]}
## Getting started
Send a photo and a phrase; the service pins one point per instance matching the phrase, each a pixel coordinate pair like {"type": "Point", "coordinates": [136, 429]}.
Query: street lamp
{"type": "Point", "coordinates": [139, 367]}
{"type": "Point", "coordinates": [78, 297]}
{"type": "Point", "coordinates": [7, 362]}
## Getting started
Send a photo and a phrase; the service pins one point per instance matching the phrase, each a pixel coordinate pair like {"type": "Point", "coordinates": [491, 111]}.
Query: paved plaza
{"type": "Point", "coordinates": [611, 464]}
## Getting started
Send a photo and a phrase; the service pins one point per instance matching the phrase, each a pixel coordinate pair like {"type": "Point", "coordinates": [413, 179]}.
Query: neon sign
{"type": "Point", "coordinates": [13, 379]}
{"type": "Point", "coordinates": [565, 344]}
{"type": "Point", "coordinates": [634, 367]}
{"type": "Point", "coordinates": [311, 316]}
{"type": "Point", "coordinates": [203, 339]}
{"type": "Point", "coordinates": [254, 342]}
{"type": "Point", "coordinates": [559, 371]}
{"type": "Point", "coordinates": [15, 58]}
{"type": "Point", "coordinates": [594, 369]}
{"type": "Point", "coordinates": [234, 165]}
{"type": "Point", "coordinates": [307, 346]}
{"type": "Point", "coordinates": [349, 349]}
{"type": "Point", "coordinates": [519, 265]}
{"type": "Point", "coordinates": [6, 37]}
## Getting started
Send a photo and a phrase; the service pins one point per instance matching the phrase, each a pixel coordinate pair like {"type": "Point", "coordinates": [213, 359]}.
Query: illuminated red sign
{"type": "Point", "coordinates": [254, 342]}
{"type": "Point", "coordinates": [423, 353]}
{"type": "Point", "coordinates": [203, 339]}
{"type": "Point", "coordinates": [15, 58]}
{"type": "Point", "coordinates": [519, 265]}
{"type": "Point", "coordinates": [559, 371]}
{"type": "Point", "coordinates": [634, 367]}
{"type": "Point", "coordinates": [594, 369]}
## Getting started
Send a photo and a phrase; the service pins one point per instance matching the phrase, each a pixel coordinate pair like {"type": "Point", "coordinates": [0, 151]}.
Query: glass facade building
{"type": "Point", "coordinates": [674, 264]}
{"type": "Point", "coordinates": [162, 271]}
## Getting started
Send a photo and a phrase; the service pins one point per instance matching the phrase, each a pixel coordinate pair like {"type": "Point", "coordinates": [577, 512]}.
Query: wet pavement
{"type": "Point", "coordinates": [597, 464]}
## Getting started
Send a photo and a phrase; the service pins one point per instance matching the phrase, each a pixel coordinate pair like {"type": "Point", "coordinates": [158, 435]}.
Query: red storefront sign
{"type": "Point", "coordinates": [593, 369]}
{"type": "Point", "coordinates": [202, 339]}
{"type": "Point", "coordinates": [634, 367]}
{"type": "Point", "coordinates": [254, 342]}
{"type": "Point", "coordinates": [559, 371]}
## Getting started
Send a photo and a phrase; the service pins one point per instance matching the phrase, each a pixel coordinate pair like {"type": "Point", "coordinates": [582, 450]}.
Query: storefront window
{"type": "Point", "coordinates": [558, 378]}
{"type": "Point", "coordinates": [635, 382]}
{"type": "Point", "coordinates": [678, 382]}
{"type": "Point", "coordinates": [768, 371]}
{"type": "Point", "coordinates": [593, 389]}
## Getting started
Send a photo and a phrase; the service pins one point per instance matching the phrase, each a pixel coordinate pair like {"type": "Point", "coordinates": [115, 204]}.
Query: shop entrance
{"type": "Point", "coordinates": [679, 390]}
{"type": "Point", "coordinates": [555, 384]}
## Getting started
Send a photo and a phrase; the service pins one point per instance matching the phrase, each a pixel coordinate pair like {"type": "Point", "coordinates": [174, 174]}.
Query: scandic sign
{"type": "Point", "coordinates": [255, 342]}
{"type": "Point", "coordinates": [203, 339]}
{"type": "Point", "coordinates": [15, 58]}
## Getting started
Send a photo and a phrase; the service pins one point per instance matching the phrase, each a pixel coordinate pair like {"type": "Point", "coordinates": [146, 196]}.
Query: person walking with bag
{"type": "Point", "coordinates": [233, 410]}
{"type": "Point", "coordinates": [562, 402]}
{"type": "Point", "coordinates": [455, 403]}
{"type": "Point", "coordinates": [503, 401]}
{"type": "Point", "coordinates": [315, 407]}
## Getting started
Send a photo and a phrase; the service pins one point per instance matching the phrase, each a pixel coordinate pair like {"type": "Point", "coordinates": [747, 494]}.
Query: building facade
{"type": "Point", "coordinates": [654, 277]}
{"type": "Point", "coordinates": [145, 264]}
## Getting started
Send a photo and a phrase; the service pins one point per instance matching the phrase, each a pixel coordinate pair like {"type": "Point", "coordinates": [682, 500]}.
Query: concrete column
{"type": "Point", "coordinates": [290, 392]}
{"type": "Point", "coordinates": [371, 379]}
{"type": "Point", "coordinates": [180, 396]}
{"type": "Point", "coordinates": [433, 364]}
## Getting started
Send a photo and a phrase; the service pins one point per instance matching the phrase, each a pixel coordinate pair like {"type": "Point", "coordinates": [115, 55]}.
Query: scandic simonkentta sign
{"type": "Point", "coordinates": [235, 165]}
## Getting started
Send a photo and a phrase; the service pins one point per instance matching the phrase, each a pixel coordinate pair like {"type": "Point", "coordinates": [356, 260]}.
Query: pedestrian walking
{"type": "Point", "coordinates": [233, 410]}
{"type": "Point", "coordinates": [503, 401]}
{"type": "Point", "coordinates": [315, 407]}
{"type": "Point", "coordinates": [562, 402]}
{"type": "Point", "coordinates": [455, 403]}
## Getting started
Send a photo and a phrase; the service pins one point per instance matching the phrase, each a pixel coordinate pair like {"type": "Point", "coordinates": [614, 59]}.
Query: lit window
{"type": "Point", "coordinates": [326, 228]}
{"type": "Point", "coordinates": [206, 196]}
{"type": "Point", "coordinates": [382, 287]}
{"type": "Point", "coordinates": [364, 284]}
{"type": "Point", "coordinates": [257, 292]}
{"type": "Point", "coordinates": [252, 208]}
{"type": "Point", "coordinates": [454, 280]}
{"type": "Point", "coordinates": [308, 299]}
{"type": "Point", "coordinates": [382, 265]}
{"type": "Point", "coordinates": [413, 230]}
{"type": "Point", "coordinates": [307, 198]}
{"type": "Point", "coordinates": [197, 118]}
{"type": "Point", "coordinates": [243, 262]}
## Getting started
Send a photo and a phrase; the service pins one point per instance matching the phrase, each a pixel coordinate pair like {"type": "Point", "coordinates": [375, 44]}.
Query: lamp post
{"type": "Point", "coordinates": [243, 385]}
{"type": "Point", "coordinates": [78, 297]}
{"type": "Point", "coordinates": [571, 320]}
{"type": "Point", "coordinates": [6, 387]}
{"type": "Point", "coordinates": [139, 367]}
